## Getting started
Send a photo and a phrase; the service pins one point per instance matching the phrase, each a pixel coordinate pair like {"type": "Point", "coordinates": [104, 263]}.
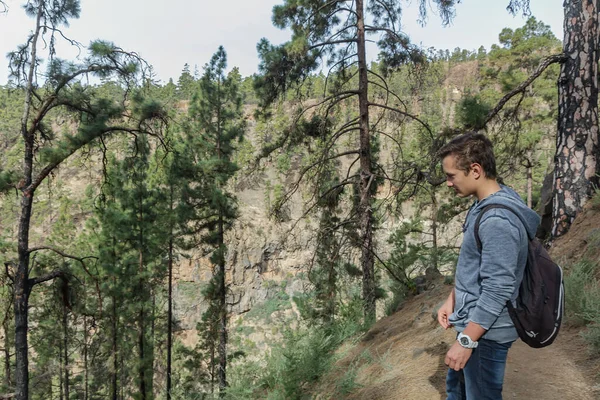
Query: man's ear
{"type": "Point", "coordinates": [476, 170]}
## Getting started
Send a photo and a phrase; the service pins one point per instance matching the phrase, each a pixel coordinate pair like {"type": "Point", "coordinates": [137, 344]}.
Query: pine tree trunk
{"type": "Point", "coordinates": [115, 354]}
{"type": "Point", "coordinates": [143, 365]}
{"type": "Point", "coordinates": [331, 289]}
{"type": "Point", "coordinates": [577, 147]}
{"type": "Point", "coordinates": [61, 386]}
{"type": "Point", "coordinates": [170, 304]}
{"type": "Point", "coordinates": [85, 359]}
{"type": "Point", "coordinates": [365, 212]}
{"type": "Point", "coordinates": [22, 289]}
{"type": "Point", "coordinates": [122, 372]}
{"type": "Point", "coordinates": [150, 349]}
{"type": "Point", "coordinates": [170, 321]}
{"type": "Point", "coordinates": [65, 322]}
{"type": "Point", "coordinates": [212, 362]}
{"type": "Point", "coordinates": [141, 339]}
{"type": "Point", "coordinates": [141, 349]}
{"type": "Point", "coordinates": [222, 348]}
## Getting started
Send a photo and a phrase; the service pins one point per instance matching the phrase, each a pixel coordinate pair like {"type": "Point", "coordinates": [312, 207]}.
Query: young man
{"type": "Point", "coordinates": [484, 280]}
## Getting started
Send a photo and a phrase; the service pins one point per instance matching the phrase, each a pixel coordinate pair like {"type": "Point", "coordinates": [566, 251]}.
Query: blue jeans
{"type": "Point", "coordinates": [483, 376]}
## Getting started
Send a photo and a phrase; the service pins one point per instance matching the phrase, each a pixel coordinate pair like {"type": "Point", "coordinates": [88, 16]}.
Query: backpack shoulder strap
{"type": "Point", "coordinates": [488, 207]}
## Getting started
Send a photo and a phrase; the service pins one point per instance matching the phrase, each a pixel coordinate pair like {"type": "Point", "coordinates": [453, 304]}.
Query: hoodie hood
{"type": "Point", "coordinates": [508, 197]}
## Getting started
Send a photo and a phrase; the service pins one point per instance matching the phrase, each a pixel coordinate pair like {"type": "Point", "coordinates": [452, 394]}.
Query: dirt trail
{"type": "Point", "coordinates": [552, 373]}
{"type": "Point", "coordinates": [402, 358]}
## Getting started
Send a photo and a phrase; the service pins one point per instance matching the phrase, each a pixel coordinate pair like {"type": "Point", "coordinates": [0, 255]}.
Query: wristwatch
{"type": "Point", "coordinates": [466, 342]}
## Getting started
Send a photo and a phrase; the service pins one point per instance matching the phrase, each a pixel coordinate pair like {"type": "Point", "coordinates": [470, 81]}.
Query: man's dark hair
{"type": "Point", "coordinates": [469, 148]}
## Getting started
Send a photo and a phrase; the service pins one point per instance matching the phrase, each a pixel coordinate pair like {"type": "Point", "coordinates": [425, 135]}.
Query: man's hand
{"type": "Point", "coordinates": [445, 310]}
{"type": "Point", "coordinates": [457, 357]}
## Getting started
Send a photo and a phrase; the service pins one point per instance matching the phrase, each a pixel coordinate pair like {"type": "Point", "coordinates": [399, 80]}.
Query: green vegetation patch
{"type": "Point", "coordinates": [582, 289]}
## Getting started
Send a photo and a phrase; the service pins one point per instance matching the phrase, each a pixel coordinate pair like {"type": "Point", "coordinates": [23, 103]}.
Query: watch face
{"type": "Point", "coordinates": [464, 341]}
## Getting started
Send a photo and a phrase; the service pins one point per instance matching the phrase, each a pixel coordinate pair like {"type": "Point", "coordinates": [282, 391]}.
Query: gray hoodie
{"type": "Point", "coordinates": [486, 280]}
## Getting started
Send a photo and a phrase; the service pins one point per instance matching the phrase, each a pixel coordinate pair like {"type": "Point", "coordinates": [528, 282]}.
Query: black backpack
{"type": "Point", "coordinates": [541, 301]}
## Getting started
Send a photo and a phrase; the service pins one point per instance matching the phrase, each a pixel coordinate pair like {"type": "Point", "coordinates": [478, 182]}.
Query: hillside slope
{"type": "Point", "coordinates": [402, 356]}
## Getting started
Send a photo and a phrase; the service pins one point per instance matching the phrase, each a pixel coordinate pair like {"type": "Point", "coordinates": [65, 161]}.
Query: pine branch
{"type": "Point", "coordinates": [45, 278]}
{"type": "Point", "coordinates": [81, 260]}
{"type": "Point", "coordinates": [51, 166]}
{"type": "Point", "coordinates": [333, 42]}
{"type": "Point", "coordinates": [546, 62]}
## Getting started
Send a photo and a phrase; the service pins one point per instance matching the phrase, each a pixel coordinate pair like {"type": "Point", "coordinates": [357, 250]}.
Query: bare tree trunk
{"type": "Point", "coordinates": [577, 148]}
{"type": "Point", "coordinates": [365, 212]}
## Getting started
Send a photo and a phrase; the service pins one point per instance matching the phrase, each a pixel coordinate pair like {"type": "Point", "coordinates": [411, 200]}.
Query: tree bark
{"type": "Point", "coordinates": [365, 212]}
{"type": "Point", "coordinates": [576, 166]}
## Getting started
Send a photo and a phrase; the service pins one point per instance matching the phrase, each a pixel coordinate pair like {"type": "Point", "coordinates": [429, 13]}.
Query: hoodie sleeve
{"type": "Point", "coordinates": [502, 240]}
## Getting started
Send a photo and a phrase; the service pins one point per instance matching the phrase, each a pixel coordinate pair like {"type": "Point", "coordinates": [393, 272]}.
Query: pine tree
{"type": "Point", "coordinates": [61, 89]}
{"type": "Point", "coordinates": [186, 84]}
{"type": "Point", "coordinates": [215, 124]}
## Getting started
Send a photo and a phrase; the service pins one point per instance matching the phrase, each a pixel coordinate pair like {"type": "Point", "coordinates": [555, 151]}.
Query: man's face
{"type": "Point", "coordinates": [463, 184]}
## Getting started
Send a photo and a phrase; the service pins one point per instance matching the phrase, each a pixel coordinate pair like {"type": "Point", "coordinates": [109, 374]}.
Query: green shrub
{"type": "Point", "coordinates": [575, 283]}
{"type": "Point", "coordinates": [582, 292]}
{"type": "Point", "coordinates": [348, 383]}
{"type": "Point", "coordinates": [294, 365]}
{"type": "Point", "coordinates": [263, 311]}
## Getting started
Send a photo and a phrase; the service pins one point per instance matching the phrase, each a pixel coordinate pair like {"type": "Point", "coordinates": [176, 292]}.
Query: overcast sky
{"type": "Point", "coordinates": [169, 34]}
